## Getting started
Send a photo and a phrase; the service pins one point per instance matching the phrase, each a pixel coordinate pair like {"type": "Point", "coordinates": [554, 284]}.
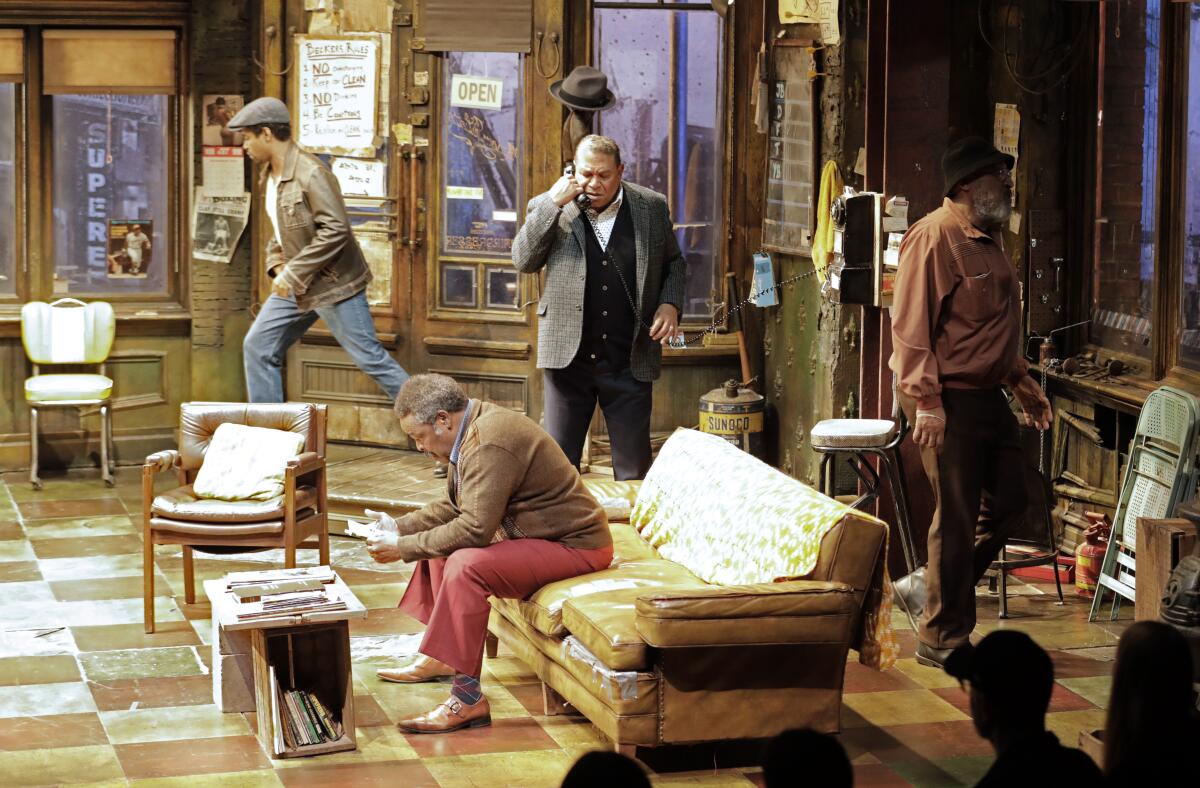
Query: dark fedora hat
{"type": "Point", "coordinates": [970, 156]}
{"type": "Point", "coordinates": [585, 88]}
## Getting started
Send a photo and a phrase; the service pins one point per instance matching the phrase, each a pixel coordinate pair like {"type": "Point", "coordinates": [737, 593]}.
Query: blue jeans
{"type": "Point", "coordinates": [280, 323]}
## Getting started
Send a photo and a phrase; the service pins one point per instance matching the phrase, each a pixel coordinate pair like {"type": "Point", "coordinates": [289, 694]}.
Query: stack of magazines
{"type": "Point", "coordinates": [293, 603]}
{"type": "Point", "coordinates": [277, 593]}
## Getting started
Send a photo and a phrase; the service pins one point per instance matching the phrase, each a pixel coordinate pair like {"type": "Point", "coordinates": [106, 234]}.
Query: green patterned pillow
{"type": "Point", "coordinates": [729, 518]}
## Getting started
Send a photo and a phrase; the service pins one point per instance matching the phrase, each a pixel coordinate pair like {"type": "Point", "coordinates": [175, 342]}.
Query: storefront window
{"type": "Point", "coordinates": [665, 68]}
{"type": "Point", "coordinates": [481, 174]}
{"type": "Point", "coordinates": [481, 183]}
{"type": "Point", "coordinates": [1123, 283]}
{"type": "Point", "coordinates": [1189, 339]}
{"type": "Point", "coordinates": [8, 188]}
{"type": "Point", "coordinates": [111, 227]}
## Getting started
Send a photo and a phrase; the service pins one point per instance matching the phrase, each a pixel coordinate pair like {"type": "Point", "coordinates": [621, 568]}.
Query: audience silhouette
{"type": "Point", "coordinates": [803, 756]}
{"type": "Point", "coordinates": [604, 769]}
{"type": "Point", "coordinates": [1152, 726]}
{"type": "Point", "coordinates": [1010, 679]}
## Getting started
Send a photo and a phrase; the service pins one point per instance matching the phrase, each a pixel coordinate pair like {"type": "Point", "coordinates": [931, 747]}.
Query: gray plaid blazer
{"type": "Point", "coordinates": [554, 238]}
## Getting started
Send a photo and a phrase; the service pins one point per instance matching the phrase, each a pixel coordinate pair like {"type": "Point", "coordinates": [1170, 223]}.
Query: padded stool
{"type": "Point", "coordinates": [854, 439]}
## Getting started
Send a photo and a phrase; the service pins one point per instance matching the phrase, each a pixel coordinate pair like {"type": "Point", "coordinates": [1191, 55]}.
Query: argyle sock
{"type": "Point", "coordinates": [466, 688]}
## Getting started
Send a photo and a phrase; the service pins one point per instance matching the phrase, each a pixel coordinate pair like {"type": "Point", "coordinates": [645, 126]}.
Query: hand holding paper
{"type": "Point", "coordinates": [383, 521]}
{"type": "Point", "coordinates": [382, 546]}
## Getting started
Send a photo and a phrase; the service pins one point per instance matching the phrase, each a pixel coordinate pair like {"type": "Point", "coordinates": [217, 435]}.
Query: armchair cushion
{"type": "Point", "coordinates": [246, 463]}
{"type": "Point", "coordinates": [800, 611]}
{"type": "Point", "coordinates": [67, 388]}
{"type": "Point", "coordinates": [182, 503]}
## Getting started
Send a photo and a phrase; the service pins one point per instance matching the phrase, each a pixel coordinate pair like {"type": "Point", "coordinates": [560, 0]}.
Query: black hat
{"type": "Point", "coordinates": [969, 156]}
{"type": "Point", "coordinates": [1008, 668]}
{"type": "Point", "coordinates": [264, 111]}
{"type": "Point", "coordinates": [585, 88]}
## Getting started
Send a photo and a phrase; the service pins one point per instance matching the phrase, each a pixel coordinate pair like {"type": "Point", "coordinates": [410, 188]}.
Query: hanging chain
{"type": "Point", "coordinates": [1042, 432]}
{"type": "Point", "coordinates": [717, 323]}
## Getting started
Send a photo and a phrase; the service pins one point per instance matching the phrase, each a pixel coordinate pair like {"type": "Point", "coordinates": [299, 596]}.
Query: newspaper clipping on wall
{"type": "Point", "coordinates": [217, 225]}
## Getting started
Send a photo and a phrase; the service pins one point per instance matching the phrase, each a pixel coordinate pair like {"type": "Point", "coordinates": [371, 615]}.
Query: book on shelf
{"type": "Point", "coordinates": [280, 743]}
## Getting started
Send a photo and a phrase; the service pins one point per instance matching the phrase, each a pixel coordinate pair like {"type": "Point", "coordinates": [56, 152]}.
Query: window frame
{"type": "Point", "coordinates": [436, 257]}
{"type": "Point", "coordinates": [20, 205]}
{"type": "Point", "coordinates": [34, 175]}
{"type": "Point", "coordinates": [1162, 364]}
{"type": "Point", "coordinates": [722, 219]}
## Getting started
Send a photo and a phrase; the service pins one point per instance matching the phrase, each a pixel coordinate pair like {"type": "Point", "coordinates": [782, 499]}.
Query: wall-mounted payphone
{"type": "Point", "coordinates": [866, 248]}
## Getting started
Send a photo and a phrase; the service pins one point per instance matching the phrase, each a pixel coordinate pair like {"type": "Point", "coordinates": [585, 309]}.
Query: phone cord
{"type": "Point", "coordinates": [712, 327]}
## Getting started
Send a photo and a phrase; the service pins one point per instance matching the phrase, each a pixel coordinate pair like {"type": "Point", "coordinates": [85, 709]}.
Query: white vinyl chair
{"type": "Point", "coordinates": [69, 332]}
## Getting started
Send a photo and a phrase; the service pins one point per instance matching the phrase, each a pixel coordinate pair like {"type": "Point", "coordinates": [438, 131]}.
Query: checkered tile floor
{"type": "Point", "coordinates": [86, 697]}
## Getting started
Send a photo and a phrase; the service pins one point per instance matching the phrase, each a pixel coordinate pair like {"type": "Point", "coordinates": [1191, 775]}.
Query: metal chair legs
{"type": "Point", "coordinates": [33, 449]}
{"type": "Point", "coordinates": [106, 463]}
{"type": "Point", "coordinates": [893, 469]}
{"type": "Point", "coordinates": [107, 460]}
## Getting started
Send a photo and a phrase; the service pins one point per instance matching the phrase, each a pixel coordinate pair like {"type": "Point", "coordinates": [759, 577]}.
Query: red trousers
{"type": "Point", "coordinates": [450, 595]}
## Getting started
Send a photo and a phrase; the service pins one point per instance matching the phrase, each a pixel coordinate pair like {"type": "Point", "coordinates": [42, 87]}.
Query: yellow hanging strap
{"type": "Point", "coordinates": [831, 187]}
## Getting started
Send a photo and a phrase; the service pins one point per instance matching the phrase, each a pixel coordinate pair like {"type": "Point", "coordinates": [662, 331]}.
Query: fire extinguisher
{"type": "Point", "coordinates": [1089, 555]}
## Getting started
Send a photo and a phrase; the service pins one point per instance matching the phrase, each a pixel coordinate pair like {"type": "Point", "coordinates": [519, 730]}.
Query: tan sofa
{"type": "Point", "coordinates": [652, 654]}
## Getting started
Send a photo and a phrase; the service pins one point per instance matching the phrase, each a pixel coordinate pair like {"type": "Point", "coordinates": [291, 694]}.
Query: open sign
{"type": "Point", "coordinates": [476, 92]}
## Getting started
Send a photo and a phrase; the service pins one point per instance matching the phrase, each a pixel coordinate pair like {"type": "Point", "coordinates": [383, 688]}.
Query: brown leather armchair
{"type": "Point", "coordinates": [291, 520]}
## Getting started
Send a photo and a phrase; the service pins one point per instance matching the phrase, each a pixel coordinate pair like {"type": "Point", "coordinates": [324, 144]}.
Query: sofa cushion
{"type": "Point", "coordinates": [616, 497]}
{"type": "Point", "coordinates": [544, 609]}
{"type": "Point", "coordinates": [628, 545]}
{"type": "Point", "coordinates": [606, 624]}
{"type": "Point", "coordinates": [729, 518]}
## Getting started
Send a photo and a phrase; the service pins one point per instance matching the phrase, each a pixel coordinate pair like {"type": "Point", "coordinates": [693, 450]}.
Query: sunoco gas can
{"type": "Point", "coordinates": [735, 414]}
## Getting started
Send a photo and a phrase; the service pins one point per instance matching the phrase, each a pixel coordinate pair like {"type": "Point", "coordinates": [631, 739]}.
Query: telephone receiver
{"type": "Point", "coordinates": [583, 200]}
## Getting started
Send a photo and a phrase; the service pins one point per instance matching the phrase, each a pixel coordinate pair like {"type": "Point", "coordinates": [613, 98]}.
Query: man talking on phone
{"type": "Point", "coordinates": [614, 283]}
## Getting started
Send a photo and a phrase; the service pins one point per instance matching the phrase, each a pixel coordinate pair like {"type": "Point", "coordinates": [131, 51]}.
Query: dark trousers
{"type": "Point", "coordinates": [450, 595]}
{"type": "Point", "coordinates": [979, 492]}
{"type": "Point", "coordinates": [570, 397]}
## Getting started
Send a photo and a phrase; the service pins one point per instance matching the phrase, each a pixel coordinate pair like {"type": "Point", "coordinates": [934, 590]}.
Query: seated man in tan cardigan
{"type": "Point", "coordinates": [516, 516]}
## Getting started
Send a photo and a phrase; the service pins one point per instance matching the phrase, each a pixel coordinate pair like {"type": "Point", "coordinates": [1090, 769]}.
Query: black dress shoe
{"type": "Point", "coordinates": [910, 594]}
{"type": "Point", "coordinates": [932, 657]}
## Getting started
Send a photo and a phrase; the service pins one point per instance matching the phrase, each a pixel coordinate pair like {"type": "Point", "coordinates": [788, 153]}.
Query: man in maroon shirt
{"type": "Point", "coordinates": [956, 334]}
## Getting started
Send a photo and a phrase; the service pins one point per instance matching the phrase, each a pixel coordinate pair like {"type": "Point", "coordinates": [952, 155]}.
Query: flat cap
{"type": "Point", "coordinates": [261, 112]}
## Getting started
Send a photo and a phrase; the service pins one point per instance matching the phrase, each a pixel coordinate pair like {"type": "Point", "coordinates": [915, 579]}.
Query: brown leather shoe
{"type": "Point", "coordinates": [421, 669]}
{"type": "Point", "coordinates": [451, 715]}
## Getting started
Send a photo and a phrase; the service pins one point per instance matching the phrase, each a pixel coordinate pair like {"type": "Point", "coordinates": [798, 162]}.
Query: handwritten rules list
{"type": "Point", "coordinates": [337, 93]}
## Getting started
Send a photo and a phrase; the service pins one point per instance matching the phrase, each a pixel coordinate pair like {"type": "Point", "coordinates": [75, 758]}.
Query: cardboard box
{"type": "Point", "coordinates": [1160, 545]}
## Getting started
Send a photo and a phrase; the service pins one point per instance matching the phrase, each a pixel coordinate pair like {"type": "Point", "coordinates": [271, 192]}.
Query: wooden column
{"type": "Point", "coordinates": [908, 109]}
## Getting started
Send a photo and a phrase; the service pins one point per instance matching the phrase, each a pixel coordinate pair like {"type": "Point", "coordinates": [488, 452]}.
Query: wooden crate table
{"type": "Point", "coordinates": [1160, 545]}
{"type": "Point", "coordinates": [309, 651]}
